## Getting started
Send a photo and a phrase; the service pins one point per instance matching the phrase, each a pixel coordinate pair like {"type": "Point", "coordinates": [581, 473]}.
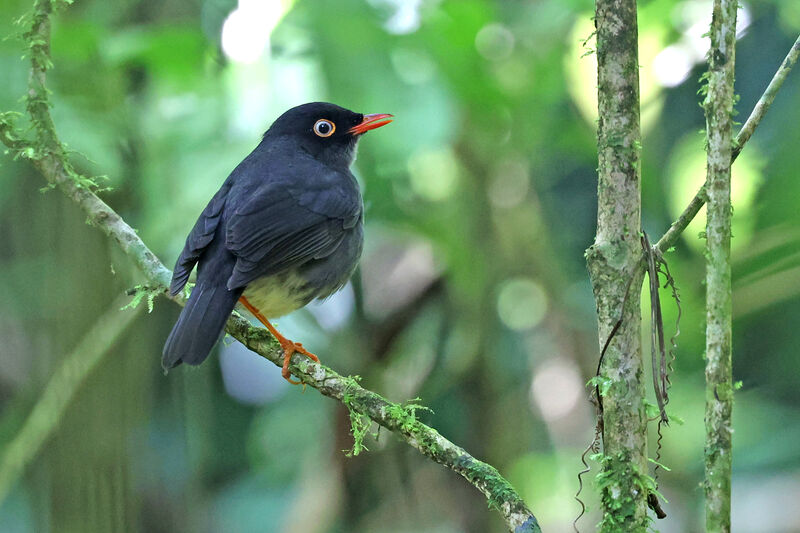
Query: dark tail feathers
{"type": "Point", "coordinates": [200, 325]}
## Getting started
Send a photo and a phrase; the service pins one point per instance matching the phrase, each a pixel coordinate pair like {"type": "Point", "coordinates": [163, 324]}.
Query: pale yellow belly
{"type": "Point", "coordinates": [275, 297]}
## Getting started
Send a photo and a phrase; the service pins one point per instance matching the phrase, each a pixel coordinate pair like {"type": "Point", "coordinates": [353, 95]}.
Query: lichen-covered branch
{"type": "Point", "coordinates": [59, 392]}
{"type": "Point", "coordinates": [399, 419]}
{"type": "Point", "coordinates": [718, 106]}
{"type": "Point", "coordinates": [46, 153]}
{"type": "Point", "coordinates": [614, 267]}
{"type": "Point", "coordinates": [679, 226]}
{"type": "Point", "coordinates": [669, 239]}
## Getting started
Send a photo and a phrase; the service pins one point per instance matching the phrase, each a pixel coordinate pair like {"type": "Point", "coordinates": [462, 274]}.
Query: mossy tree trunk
{"type": "Point", "coordinates": [615, 268]}
{"type": "Point", "coordinates": [719, 382]}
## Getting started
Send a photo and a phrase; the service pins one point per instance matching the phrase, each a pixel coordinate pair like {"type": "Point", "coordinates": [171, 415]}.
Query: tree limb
{"type": "Point", "coordinates": [49, 157]}
{"type": "Point", "coordinates": [718, 106]}
{"type": "Point", "coordinates": [614, 261]}
{"type": "Point", "coordinates": [669, 239]}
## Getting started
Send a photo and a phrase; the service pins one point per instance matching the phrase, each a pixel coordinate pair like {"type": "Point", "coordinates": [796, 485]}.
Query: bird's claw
{"type": "Point", "coordinates": [289, 348]}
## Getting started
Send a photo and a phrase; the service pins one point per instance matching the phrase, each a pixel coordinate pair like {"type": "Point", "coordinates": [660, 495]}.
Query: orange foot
{"type": "Point", "coordinates": [289, 347]}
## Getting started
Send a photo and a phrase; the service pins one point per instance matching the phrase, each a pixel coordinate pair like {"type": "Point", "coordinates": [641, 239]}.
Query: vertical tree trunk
{"type": "Point", "coordinates": [614, 267]}
{"type": "Point", "coordinates": [719, 386]}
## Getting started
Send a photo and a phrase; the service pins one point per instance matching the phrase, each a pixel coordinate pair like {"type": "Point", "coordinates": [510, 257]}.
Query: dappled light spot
{"type": "Point", "coordinates": [494, 42]}
{"type": "Point", "coordinates": [513, 75]}
{"type": "Point", "coordinates": [580, 64]}
{"type": "Point", "coordinates": [246, 31]}
{"type": "Point", "coordinates": [691, 18]}
{"type": "Point", "coordinates": [405, 17]}
{"type": "Point", "coordinates": [433, 173]}
{"type": "Point", "coordinates": [521, 303]}
{"type": "Point", "coordinates": [556, 388]}
{"type": "Point", "coordinates": [673, 65]}
{"type": "Point", "coordinates": [509, 183]}
{"type": "Point", "coordinates": [413, 66]}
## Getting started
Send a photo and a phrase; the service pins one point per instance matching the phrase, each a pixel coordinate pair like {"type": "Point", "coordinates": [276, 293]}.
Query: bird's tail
{"type": "Point", "coordinates": [200, 325]}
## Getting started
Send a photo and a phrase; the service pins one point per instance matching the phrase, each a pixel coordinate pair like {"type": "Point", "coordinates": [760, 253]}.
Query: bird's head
{"type": "Point", "coordinates": [326, 131]}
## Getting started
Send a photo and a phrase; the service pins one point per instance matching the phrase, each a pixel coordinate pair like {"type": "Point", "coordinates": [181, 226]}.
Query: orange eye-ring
{"type": "Point", "coordinates": [324, 128]}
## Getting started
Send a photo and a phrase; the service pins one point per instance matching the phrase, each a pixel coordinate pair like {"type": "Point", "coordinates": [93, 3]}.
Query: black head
{"type": "Point", "coordinates": [326, 131]}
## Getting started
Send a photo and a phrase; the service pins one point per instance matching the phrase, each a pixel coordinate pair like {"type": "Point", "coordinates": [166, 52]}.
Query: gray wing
{"type": "Point", "coordinates": [199, 238]}
{"type": "Point", "coordinates": [285, 225]}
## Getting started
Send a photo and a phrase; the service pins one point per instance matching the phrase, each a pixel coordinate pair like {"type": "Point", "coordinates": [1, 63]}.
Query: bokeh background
{"type": "Point", "coordinates": [472, 293]}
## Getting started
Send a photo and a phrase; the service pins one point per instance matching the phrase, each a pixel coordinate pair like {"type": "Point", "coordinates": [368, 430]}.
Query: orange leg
{"type": "Point", "coordinates": [289, 347]}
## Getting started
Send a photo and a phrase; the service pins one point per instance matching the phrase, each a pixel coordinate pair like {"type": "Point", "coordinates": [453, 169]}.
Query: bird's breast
{"type": "Point", "coordinates": [278, 295]}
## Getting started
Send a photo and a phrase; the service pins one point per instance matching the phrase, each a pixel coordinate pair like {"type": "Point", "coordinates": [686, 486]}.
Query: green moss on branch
{"type": "Point", "coordinates": [614, 261]}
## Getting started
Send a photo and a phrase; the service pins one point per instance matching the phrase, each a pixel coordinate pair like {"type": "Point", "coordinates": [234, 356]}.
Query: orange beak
{"type": "Point", "coordinates": [370, 122]}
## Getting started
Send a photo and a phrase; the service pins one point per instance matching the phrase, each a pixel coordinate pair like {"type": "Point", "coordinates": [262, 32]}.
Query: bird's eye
{"type": "Point", "coordinates": [324, 128]}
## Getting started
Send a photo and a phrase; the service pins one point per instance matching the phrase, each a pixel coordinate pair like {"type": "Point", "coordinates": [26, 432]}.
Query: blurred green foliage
{"type": "Point", "coordinates": [472, 293]}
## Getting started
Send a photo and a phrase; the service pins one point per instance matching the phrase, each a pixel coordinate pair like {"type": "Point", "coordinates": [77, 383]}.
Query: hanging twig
{"type": "Point", "coordinates": [594, 446]}
{"type": "Point", "coordinates": [658, 354]}
{"type": "Point", "coordinates": [663, 268]}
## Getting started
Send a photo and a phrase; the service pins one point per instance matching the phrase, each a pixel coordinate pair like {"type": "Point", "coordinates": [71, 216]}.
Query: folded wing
{"type": "Point", "coordinates": [199, 238]}
{"type": "Point", "coordinates": [284, 225]}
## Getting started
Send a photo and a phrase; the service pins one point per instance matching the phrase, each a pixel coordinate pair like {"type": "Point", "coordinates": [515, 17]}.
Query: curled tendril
{"type": "Point", "coordinates": [594, 447]}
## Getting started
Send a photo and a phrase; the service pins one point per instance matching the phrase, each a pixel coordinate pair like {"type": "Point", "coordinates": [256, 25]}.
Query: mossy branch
{"type": "Point", "coordinates": [669, 239]}
{"type": "Point", "coordinates": [614, 263]}
{"type": "Point", "coordinates": [47, 154]}
{"type": "Point", "coordinates": [719, 108]}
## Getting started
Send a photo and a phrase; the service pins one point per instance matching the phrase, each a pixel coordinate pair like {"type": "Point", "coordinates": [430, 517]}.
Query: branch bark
{"type": "Point", "coordinates": [719, 381]}
{"type": "Point", "coordinates": [614, 267]}
{"type": "Point", "coordinates": [49, 157]}
{"type": "Point", "coordinates": [669, 239]}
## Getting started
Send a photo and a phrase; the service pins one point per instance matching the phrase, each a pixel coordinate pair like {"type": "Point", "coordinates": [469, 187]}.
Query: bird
{"type": "Point", "coordinates": [285, 228]}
